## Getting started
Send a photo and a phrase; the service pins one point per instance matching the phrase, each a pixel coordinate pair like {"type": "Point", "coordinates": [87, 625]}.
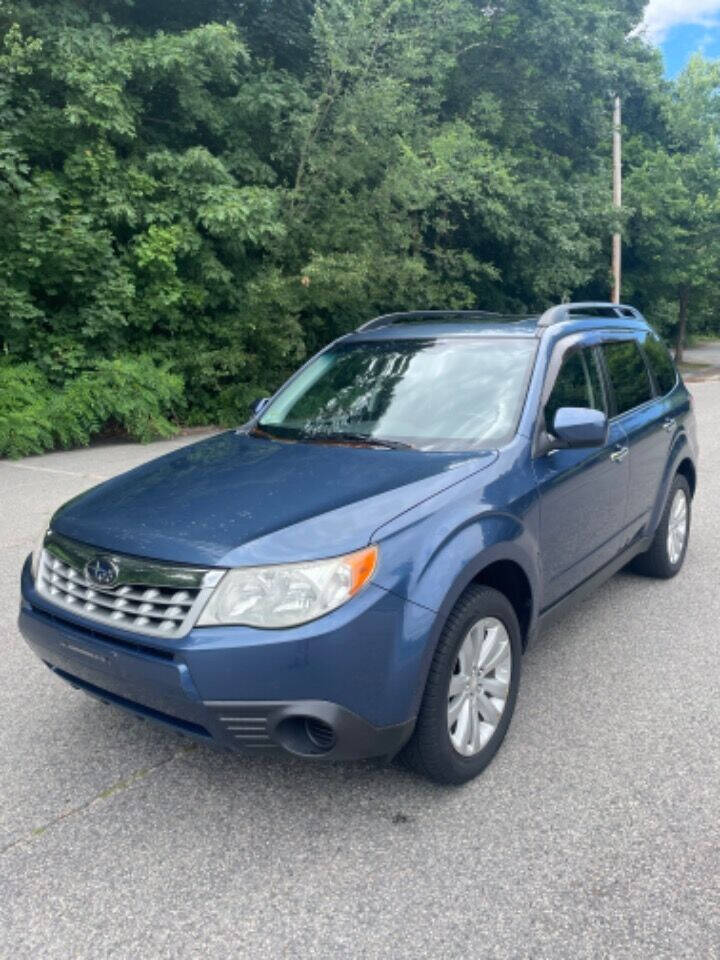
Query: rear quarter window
{"type": "Point", "coordinates": [660, 363]}
{"type": "Point", "coordinates": [628, 374]}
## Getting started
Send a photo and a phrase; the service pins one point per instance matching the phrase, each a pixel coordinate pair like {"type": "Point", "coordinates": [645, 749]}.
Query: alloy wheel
{"type": "Point", "coordinates": [479, 686]}
{"type": "Point", "coordinates": [677, 526]}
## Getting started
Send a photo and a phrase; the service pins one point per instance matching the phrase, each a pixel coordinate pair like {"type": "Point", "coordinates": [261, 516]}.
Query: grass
{"type": "Point", "coordinates": [686, 367]}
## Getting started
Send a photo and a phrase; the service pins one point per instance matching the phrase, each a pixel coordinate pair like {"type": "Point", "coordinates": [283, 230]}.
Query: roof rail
{"type": "Point", "coordinates": [388, 319]}
{"type": "Point", "coordinates": [567, 311]}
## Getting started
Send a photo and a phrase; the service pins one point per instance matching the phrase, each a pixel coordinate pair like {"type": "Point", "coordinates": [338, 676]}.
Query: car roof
{"type": "Point", "coordinates": [434, 324]}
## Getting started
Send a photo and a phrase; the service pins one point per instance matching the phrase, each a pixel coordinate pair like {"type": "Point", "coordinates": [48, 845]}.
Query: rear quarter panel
{"type": "Point", "coordinates": [684, 446]}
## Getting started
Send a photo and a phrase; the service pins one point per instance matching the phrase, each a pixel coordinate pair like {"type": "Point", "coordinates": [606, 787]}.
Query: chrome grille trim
{"type": "Point", "coordinates": [151, 598]}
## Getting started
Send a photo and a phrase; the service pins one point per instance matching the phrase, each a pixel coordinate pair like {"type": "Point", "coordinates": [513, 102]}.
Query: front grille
{"type": "Point", "coordinates": [148, 597]}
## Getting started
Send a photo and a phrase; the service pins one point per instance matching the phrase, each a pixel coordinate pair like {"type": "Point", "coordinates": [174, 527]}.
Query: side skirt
{"type": "Point", "coordinates": [584, 589]}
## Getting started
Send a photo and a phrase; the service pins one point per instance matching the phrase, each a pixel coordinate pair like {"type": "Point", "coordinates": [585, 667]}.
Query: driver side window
{"type": "Point", "coordinates": [578, 384]}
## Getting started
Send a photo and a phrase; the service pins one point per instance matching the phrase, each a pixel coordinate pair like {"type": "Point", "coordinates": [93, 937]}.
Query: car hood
{"type": "Point", "coordinates": [236, 499]}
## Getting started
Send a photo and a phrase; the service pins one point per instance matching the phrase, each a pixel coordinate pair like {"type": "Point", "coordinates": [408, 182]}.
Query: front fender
{"type": "Point", "coordinates": [430, 553]}
{"type": "Point", "coordinates": [431, 560]}
{"type": "Point", "coordinates": [443, 565]}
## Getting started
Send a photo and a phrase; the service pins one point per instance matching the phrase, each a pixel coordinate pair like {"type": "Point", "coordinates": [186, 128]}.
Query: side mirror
{"type": "Point", "coordinates": [580, 427]}
{"type": "Point", "coordinates": [257, 407]}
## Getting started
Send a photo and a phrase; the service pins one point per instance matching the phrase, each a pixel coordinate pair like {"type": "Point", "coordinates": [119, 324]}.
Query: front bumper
{"type": "Point", "coordinates": [347, 691]}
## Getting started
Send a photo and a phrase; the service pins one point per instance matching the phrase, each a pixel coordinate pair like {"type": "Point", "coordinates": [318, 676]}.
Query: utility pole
{"type": "Point", "coordinates": [617, 198]}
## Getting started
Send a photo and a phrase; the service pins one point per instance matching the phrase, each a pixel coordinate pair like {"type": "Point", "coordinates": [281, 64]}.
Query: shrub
{"type": "Point", "coordinates": [24, 405]}
{"type": "Point", "coordinates": [133, 394]}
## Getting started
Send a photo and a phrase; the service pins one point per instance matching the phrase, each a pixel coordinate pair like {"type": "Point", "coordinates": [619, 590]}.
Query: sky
{"type": "Point", "coordinates": [682, 27]}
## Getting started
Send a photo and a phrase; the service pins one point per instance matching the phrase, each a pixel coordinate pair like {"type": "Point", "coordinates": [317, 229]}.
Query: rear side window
{"type": "Point", "coordinates": [660, 363]}
{"type": "Point", "coordinates": [577, 385]}
{"type": "Point", "coordinates": [628, 374]}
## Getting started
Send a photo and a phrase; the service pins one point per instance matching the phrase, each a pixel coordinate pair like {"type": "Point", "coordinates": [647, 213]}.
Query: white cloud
{"type": "Point", "coordinates": [661, 15]}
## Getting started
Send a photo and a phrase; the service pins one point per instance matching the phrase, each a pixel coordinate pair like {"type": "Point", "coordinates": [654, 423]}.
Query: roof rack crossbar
{"type": "Point", "coordinates": [591, 308]}
{"type": "Point", "coordinates": [388, 319]}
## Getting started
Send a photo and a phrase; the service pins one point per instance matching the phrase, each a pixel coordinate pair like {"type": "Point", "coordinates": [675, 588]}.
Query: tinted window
{"type": "Point", "coordinates": [660, 363]}
{"type": "Point", "coordinates": [433, 394]}
{"type": "Point", "coordinates": [577, 385]}
{"type": "Point", "coordinates": [628, 375]}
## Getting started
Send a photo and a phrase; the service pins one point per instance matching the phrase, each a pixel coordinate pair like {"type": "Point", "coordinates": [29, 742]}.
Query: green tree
{"type": "Point", "coordinates": [208, 191]}
{"type": "Point", "coordinates": [675, 195]}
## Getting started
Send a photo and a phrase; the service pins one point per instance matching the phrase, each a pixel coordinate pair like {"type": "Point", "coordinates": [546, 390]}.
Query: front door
{"type": "Point", "coordinates": [583, 492]}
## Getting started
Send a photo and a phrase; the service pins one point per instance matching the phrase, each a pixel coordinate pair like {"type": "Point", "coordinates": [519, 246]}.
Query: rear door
{"type": "Point", "coordinates": [669, 405]}
{"type": "Point", "coordinates": [583, 492]}
{"type": "Point", "coordinates": [641, 415]}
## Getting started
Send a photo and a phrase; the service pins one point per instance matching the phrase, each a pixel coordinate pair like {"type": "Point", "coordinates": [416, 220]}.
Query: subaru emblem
{"type": "Point", "coordinates": [102, 571]}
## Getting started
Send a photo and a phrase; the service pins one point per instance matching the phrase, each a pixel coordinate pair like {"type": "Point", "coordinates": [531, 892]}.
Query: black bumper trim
{"type": "Point", "coordinates": [255, 723]}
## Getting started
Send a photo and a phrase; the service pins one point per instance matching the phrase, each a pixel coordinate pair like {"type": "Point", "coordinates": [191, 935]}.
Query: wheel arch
{"type": "Point", "coordinates": [687, 468]}
{"type": "Point", "coordinates": [680, 461]}
{"type": "Point", "coordinates": [509, 578]}
{"type": "Point", "coordinates": [494, 548]}
{"type": "Point", "coordinates": [505, 568]}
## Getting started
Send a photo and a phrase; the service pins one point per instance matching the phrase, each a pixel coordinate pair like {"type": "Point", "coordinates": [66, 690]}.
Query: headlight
{"type": "Point", "coordinates": [287, 594]}
{"type": "Point", "coordinates": [37, 554]}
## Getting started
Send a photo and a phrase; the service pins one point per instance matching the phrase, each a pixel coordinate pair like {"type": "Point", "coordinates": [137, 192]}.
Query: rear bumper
{"type": "Point", "coordinates": [193, 688]}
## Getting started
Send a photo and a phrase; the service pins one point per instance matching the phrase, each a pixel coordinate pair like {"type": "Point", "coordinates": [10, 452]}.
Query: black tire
{"type": "Point", "coordinates": [656, 561]}
{"type": "Point", "coordinates": [430, 751]}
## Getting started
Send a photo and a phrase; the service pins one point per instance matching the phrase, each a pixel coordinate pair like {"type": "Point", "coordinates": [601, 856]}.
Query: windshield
{"type": "Point", "coordinates": [431, 394]}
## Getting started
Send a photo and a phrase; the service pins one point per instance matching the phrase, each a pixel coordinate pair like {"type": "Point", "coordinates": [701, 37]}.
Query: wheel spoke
{"type": "Point", "coordinates": [490, 647]}
{"type": "Point", "coordinates": [488, 710]}
{"type": "Point", "coordinates": [474, 737]}
{"type": "Point", "coordinates": [465, 657]}
{"type": "Point", "coordinates": [458, 682]}
{"type": "Point", "coordinates": [475, 639]}
{"type": "Point", "coordinates": [495, 687]}
{"type": "Point", "coordinates": [463, 724]}
{"type": "Point", "coordinates": [499, 650]}
{"type": "Point", "coordinates": [456, 707]}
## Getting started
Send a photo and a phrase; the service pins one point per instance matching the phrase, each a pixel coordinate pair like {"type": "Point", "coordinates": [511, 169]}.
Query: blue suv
{"type": "Point", "coordinates": [357, 570]}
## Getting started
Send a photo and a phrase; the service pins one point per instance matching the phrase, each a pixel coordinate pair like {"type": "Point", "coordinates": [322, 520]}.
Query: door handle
{"type": "Point", "coordinates": [617, 456]}
{"type": "Point", "coordinates": [668, 424]}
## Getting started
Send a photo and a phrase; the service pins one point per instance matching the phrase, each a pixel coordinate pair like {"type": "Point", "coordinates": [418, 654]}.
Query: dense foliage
{"type": "Point", "coordinates": [195, 195]}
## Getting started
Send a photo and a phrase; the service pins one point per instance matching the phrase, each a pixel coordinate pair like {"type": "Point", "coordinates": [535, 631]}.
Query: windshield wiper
{"type": "Point", "coordinates": [361, 439]}
{"type": "Point", "coordinates": [261, 432]}
{"type": "Point", "coordinates": [339, 436]}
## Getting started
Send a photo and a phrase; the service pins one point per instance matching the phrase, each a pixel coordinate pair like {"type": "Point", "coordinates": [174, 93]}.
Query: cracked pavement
{"type": "Point", "coordinates": [594, 833]}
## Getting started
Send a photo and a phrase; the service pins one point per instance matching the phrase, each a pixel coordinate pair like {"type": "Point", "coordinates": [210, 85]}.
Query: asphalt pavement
{"type": "Point", "coordinates": [705, 352]}
{"type": "Point", "coordinates": [595, 832]}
